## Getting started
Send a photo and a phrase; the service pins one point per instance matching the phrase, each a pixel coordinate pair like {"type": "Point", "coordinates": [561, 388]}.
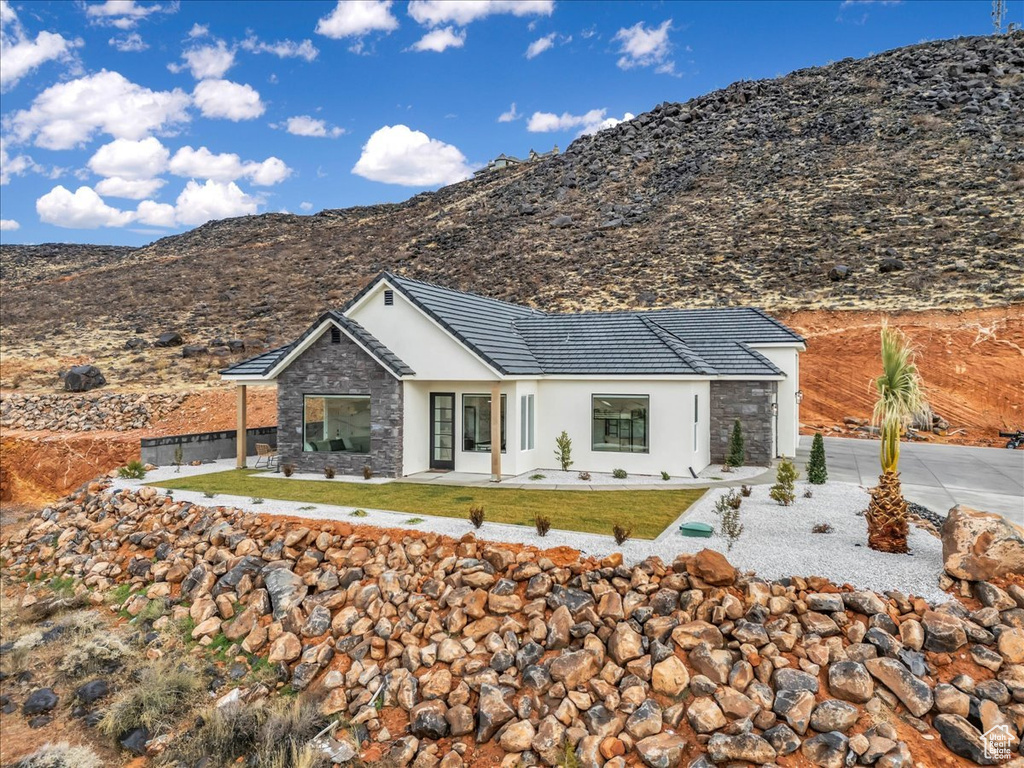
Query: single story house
{"type": "Point", "coordinates": [405, 378]}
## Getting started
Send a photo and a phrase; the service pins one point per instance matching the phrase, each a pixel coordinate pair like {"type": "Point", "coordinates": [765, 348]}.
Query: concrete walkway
{"type": "Point", "coordinates": [935, 476]}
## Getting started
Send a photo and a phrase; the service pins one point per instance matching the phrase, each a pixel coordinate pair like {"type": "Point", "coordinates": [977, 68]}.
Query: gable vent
{"type": "Point", "coordinates": [389, 297]}
{"type": "Point", "coordinates": [335, 335]}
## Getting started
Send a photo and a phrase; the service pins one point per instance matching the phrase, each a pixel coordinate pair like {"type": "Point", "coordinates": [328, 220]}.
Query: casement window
{"type": "Point", "coordinates": [620, 423]}
{"type": "Point", "coordinates": [526, 422]}
{"type": "Point", "coordinates": [336, 423]}
{"type": "Point", "coordinates": [476, 423]}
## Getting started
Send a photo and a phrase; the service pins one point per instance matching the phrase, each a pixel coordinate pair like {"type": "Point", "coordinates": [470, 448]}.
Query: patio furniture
{"type": "Point", "coordinates": [266, 454]}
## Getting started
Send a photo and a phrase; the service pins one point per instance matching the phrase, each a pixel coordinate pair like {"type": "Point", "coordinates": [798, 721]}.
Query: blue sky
{"type": "Point", "coordinates": [126, 121]}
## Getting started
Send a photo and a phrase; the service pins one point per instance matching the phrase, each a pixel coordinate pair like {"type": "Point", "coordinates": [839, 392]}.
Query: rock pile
{"type": "Point", "coordinates": [85, 413]}
{"type": "Point", "coordinates": [463, 645]}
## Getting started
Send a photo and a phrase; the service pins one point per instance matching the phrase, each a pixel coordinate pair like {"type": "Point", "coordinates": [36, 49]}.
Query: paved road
{"type": "Point", "coordinates": [937, 476]}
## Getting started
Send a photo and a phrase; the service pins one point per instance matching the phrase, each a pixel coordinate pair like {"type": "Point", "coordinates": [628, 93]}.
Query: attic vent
{"type": "Point", "coordinates": [389, 297]}
{"type": "Point", "coordinates": [335, 335]}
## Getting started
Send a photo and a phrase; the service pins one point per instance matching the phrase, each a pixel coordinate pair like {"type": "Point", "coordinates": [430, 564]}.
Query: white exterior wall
{"type": "Point", "coordinates": [788, 360]}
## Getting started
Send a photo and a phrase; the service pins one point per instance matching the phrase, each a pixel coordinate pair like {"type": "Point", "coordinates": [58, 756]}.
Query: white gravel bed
{"type": "Point", "coordinates": [713, 473]}
{"type": "Point", "coordinates": [336, 479]}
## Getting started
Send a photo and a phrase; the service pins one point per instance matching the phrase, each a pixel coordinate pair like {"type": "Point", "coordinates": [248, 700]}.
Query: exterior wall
{"type": "Point", "coordinates": [417, 340]}
{"type": "Point", "coordinates": [751, 403]}
{"type": "Point", "coordinates": [341, 369]}
{"type": "Point", "coordinates": [787, 359]}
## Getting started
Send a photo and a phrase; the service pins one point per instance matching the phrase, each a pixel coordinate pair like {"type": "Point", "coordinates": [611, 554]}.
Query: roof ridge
{"type": "Point", "coordinates": [393, 276]}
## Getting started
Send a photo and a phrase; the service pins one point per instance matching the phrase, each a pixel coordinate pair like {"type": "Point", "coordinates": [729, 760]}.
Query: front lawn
{"type": "Point", "coordinates": [647, 511]}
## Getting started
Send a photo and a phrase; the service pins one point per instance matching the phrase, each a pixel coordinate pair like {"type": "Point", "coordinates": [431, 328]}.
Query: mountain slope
{"type": "Point", "coordinates": [911, 162]}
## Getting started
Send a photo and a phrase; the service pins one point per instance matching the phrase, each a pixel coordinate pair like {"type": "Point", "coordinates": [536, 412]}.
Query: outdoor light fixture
{"type": "Point", "coordinates": [775, 409]}
{"type": "Point", "coordinates": [799, 396]}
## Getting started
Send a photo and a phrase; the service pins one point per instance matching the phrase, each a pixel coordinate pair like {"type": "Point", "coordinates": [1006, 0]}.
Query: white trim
{"type": "Point", "coordinates": [241, 379]}
{"type": "Point", "coordinates": [800, 345]}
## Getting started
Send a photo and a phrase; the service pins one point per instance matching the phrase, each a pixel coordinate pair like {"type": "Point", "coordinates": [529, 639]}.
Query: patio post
{"type": "Point", "coordinates": [496, 432]}
{"type": "Point", "coordinates": [240, 434]}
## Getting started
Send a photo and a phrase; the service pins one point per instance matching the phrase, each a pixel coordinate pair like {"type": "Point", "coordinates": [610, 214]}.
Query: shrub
{"type": "Point", "coordinates": [367, 472]}
{"type": "Point", "coordinates": [817, 472]}
{"type": "Point", "coordinates": [162, 693]}
{"type": "Point", "coordinates": [288, 469]}
{"type": "Point", "coordinates": [476, 516]}
{"type": "Point", "coordinates": [745, 491]}
{"type": "Point", "coordinates": [256, 500]}
{"type": "Point", "coordinates": [61, 755]}
{"type": "Point", "coordinates": [537, 476]}
{"type": "Point", "coordinates": [737, 453]}
{"type": "Point", "coordinates": [543, 524]}
{"type": "Point", "coordinates": [209, 495]}
{"type": "Point", "coordinates": [358, 513]}
{"type": "Point", "coordinates": [179, 457]}
{"type": "Point", "coordinates": [665, 475]}
{"type": "Point", "coordinates": [563, 450]}
{"type": "Point", "coordinates": [822, 528]}
{"type": "Point", "coordinates": [808, 494]}
{"type": "Point", "coordinates": [97, 655]}
{"type": "Point", "coordinates": [620, 474]}
{"type": "Point", "coordinates": [785, 476]}
{"type": "Point", "coordinates": [329, 471]}
{"type": "Point", "coordinates": [133, 470]}
{"type": "Point", "coordinates": [727, 501]}
{"type": "Point", "coordinates": [585, 476]}
{"type": "Point", "coordinates": [621, 534]}
{"type": "Point", "coordinates": [730, 527]}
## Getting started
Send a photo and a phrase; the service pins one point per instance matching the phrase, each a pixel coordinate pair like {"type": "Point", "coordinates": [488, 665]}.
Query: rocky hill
{"type": "Point", "coordinates": [893, 182]}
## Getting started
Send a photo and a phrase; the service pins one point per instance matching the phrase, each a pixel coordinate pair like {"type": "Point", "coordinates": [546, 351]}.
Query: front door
{"type": "Point", "coordinates": [442, 430]}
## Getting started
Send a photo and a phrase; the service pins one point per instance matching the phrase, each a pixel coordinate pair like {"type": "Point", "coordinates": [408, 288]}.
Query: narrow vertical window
{"type": "Point", "coordinates": [696, 419]}
{"type": "Point", "coordinates": [530, 424]}
{"type": "Point", "coordinates": [526, 423]}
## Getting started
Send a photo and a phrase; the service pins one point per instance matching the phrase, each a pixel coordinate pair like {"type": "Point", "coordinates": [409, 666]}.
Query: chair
{"type": "Point", "coordinates": [266, 454]}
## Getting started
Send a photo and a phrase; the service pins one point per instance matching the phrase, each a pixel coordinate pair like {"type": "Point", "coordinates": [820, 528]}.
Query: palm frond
{"type": "Point", "coordinates": [900, 392]}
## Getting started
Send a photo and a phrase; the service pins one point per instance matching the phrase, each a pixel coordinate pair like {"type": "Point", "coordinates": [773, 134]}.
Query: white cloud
{"type": "Point", "coordinates": [511, 115]}
{"type": "Point", "coordinates": [232, 101]}
{"type": "Point", "coordinates": [199, 203]}
{"type": "Point", "coordinates": [227, 166]}
{"type": "Point", "coordinates": [16, 165]}
{"type": "Point", "coordinates": [206, 61]}
{"type": "Point", "coordinates": [590, 122]}
{"type": "Point", "coordinates": [398, 155]}
{"type": "Point", "coordinates": [434, 13]}
{"type": "Point", "coordinates": [645, 47]}
{"type": "Point", "coordinates": [130, 43]}
{"type": "Point", "coordinates": [306, 206]}
{"type": "Point", "coordinates": [199, 30]}
{"type": "Point", "coordinates": [283, 49]}
{"type": "Point", "coordinates": [438, 40]}
{"type": "Point", "coordinates": [9, 225]}
{"type": "Point", "coordinates": [81, 209]}
{"type": "Point", "coordinates": [125, 14]}
{"type": "Point", "coordinates": [68, 114]}
{"type": "Point", "coordinates": [133, 189]}
{"type": "Point", "coordinates": [355, 18]}
{"type": "Point", "coordinates": [21, 54]}
{"type": "Point", "coordinates": [155, 214]}
{"type": "Point", "coordinates": [537, 47]}
{"type": "Point", "coordinates": [130, 160]}
{"type": "Point", "coordinates": [304, 125]}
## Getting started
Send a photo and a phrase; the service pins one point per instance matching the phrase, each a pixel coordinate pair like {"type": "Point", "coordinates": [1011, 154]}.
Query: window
{"type": "Point", "coordinates": [336, 423]}
{"type": "Point", "coordinates": [620, 423]}
{"type": "Point", "coordinates": [696, 412]}
{"type": "Point", "coordinates": [526, 423]}
{"type": "Point", "coordinates": [476, 423]}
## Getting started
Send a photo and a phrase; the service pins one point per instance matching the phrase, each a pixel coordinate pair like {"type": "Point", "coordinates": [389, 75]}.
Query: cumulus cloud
{"type": "Point", "coordinates": [589, 122]}
{"type": "Point", "coordinates": [537, 47]}
{"type": "Point", "coordinates": [283, 49]}
{"type": "Point", "coordinates": [228, 100]}
{"type": "Point", "coordinates": [438, 40]}
{"type": "Point", "coordinates": [15, 165]}
{"type": "Point", "coordinates": [130, 160]}
{"type": "Point", "coordinates": [643, 46]}
{"type": "Point", "coordinates": [69, 114]}
{"type": "Point", "coordinates": [199, 203]}
{"type": "Point", "coordinates": [130, 43]}
{"type": "Point", "coordinates": [304, 125]}
{"type": "Point", "coordinates": [155, 214]}
{"type": "Point", "coordinates": [199, 30]}
{"type": "Point", "coordinates": [21, 54]}
{"type": "Point", "coordinates": [206, 61]}
{"type": "Point", "coordinates": [9, 225]}
{"type": "Point", "coordinates": [510, 116]}
{"type": "Point", "coordinates": [227, 166]}
{"type": "Point", "coordinates": [81, 209]}
{"type": "Point", "coordinates": [434, 13]}
{"type": "Point", "coordinates": [355, 18]}
{"type": "Point", "coordinates": [398, 155]}
{"type": "Point", "coordinates": [132, 189]}
{"type": "Point", "coordinates": [125, 14]}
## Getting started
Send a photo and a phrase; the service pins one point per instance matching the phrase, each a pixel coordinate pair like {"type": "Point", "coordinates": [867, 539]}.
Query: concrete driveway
{"type": "Point", "coordinates": [935, 476]}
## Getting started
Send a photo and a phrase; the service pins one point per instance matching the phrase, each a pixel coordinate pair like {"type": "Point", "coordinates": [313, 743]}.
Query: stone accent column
{"type": "Point", "coordinates": [751, 403]}
{"type": "Point", "coordinates": [496, 432]}
{"type": "Point", "coordinates": [240, 447]}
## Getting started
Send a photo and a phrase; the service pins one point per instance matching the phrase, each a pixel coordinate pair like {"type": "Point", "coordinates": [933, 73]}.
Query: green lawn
{"type": "Point", "coordinates": [647, 511]}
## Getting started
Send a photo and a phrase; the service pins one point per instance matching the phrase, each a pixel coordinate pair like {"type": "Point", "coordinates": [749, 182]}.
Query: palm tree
{"type": "Point", "coordinates": [900, 398]}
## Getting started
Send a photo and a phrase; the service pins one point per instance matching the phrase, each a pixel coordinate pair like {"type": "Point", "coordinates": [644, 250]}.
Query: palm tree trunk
{"type": "Point", "coordinates": [887, 515]}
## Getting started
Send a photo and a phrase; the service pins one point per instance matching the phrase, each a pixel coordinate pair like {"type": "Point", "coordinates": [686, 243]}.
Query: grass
{"type": "Point", "coordinates": [164, 691]}
{"type": "Point", "coordinates": [648, 511]}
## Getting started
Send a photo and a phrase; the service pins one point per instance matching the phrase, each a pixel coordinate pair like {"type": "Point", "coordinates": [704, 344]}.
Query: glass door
{"type": "Point", "coordinates": [442, 430]}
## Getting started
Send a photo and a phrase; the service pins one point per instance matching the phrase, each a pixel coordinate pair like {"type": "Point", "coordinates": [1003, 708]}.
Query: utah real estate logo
{"type": "Point", "coordinates": [997, 741]}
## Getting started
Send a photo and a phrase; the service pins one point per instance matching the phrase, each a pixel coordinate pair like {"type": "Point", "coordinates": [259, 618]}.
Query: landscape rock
{"type": "Point", "coordinates": [980, 546]}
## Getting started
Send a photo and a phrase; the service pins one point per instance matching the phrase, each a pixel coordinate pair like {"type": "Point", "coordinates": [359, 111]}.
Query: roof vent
{"type": "Point", "coordinates": [335, 335]}
{"type": "Point", "coordinates": [389, 297]}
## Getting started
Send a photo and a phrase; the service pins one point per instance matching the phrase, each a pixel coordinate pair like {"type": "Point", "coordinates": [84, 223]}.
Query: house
{"type": "Point", "coordinates": [509, 161]}
{"type": "Point", "coordinates": [404, 379]}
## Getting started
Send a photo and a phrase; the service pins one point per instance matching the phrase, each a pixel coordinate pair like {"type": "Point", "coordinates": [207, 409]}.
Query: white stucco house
{"type": "Point", "coordinates": [404, 379]}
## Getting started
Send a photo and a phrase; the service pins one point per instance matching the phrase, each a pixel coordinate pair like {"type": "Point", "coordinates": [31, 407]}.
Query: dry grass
{"type": "Point", "coordinates": [61, 755]}
{"type": "Point", "coordinates": [94, 654]}
{"type": "Point", "coordinates": [162, 693]}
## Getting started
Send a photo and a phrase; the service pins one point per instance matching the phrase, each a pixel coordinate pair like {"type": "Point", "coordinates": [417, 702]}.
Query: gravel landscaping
{"type": "Point", "coordinates": [572, 477]}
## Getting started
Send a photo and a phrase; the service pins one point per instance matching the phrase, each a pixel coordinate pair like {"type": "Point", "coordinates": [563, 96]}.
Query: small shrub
{"type": "Point", "coordinates": [61, 755]}
{"type": "Point", "coordinates": [133, 470]}
{"type": "Point", "coordinates": [822, 528]}
{"type": "Point", "coordinates": [307, 507]}
{"type": "Point", "coordinates": [584, 476]}
{"type": "Point", "coordinates": [665, 475]}
{"type": "Point", "coordinates": [817, 472]}
{"type": "Point", "coordinates": [329, 471]}
{"type": "Point", "coordinates": [730, 527]}
{"type": "Point", "coordinates": [745, 491]}
{"type": "Point", "coordinates": [808, 494]}
{"type": "Point", "coordinates": [543, 524]}
{"type": "Point", "coordinates": [729, 500]}
{"type": "Point", "coordinates": [785, 477]}
{"type": "Point", "coordinates": [288, 469]}
{"type": "Point", "coordinates": [476, 516]}
{"type": "Point", "coordinates": [95, 655]}
{"type": "Point", "coordinates": [563, 450]}
{"type": "Point", "coordinates": [358, 513]}
{"type": "Point", "coordinates": [367, 472]}
{"type": "Point", "coordinates": [537, 476]}
{"type": "Point", "coordinates": [209, 495]}
{"type": "Point", "coordinates": [414, 521]}
{"type": "Point", "coordinates": [179, 458]}
{"type": "Point", "coordinates": [256, 500]}
{"type": "Point", "coordinates": [621, 534]}
{"type": "Point", "coordinates": [162, 693]}
{"type": "Point", "coordinates": [620, 474]}
{"type": "Point", "coordinates": [737, 453]}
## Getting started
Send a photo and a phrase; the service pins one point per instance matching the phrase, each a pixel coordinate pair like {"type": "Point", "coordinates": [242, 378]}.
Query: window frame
{"type": "Point", "coordinates": [647, 423]}
{"type": "Point", "coordinates": [504, 422]}
{"type": "Point", "coordinates": [347, 396]}
{"type": "Point", "coordinates": [527, 421]}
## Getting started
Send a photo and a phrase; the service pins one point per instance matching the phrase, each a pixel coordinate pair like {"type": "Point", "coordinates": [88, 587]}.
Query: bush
{"type": "Point", "coordinates": [665, 475]}
{"type": "Point", "coordinates": [100, 654]}
{"type": "Point", "coordinates": [179, 457]}
{"type": "Point", "coordinates": [357, 513]}
{"type": "Point", "coordinates": [133, 470]}
{"type": "Point", "coordinates": [737, 453]}
{"type": "Point", "coordinates": [817, 472]}
{"type": "Point", "coordinates": [822, 528]}
{"type": "Point", "coordinates": [543, 524]}
{"type": "Point", "coordinates": [476, 516]}
{"type": "Point", "coordinates": [745, 491]}
{"type": "Point", "coordinates": [61, 755]}
{"type": "Point", "coordinates": [785, 476]}
{"type": "Point", "coordinates": [209, 495]}
{"type": "Point", "coordinates": [563, 450]}
{"type": "Point", "coordinates": [621, 534]}
{"type": "Point", "coordinates": [620, 474]}
{"type": "Point", "coordinates": [730, 527]}
{"type": "Point", "coordinates": [288, 469]}
{"type": "Point", "coordinates": [162, 693]}
{"type": "Point", "coordinates": [808, 494]}
{"type": "Point", "coordinates": [537, 476]}
{"type": "Point", "coordinates": [727, 501]}
{"type": "Point", "coordinates": [256, 500]}
{"type": "Point", "coordinates": [584, 476]}
{"type": "Point", "coordinates": [329, 471]}
{"type": "Point", "coordinates": [367, 472]}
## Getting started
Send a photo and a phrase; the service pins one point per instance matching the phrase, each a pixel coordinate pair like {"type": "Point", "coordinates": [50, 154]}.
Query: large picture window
{"type": "Point", "coordinates": [620, 423]}
{"type": "Point", "coordinates": [336, 423]}
{"type": "Point", "coordinates": [476, 423]}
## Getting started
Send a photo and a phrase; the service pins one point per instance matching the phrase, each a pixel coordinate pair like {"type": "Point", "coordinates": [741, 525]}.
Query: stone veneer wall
{"type": "Point", "coordinates": [751, 403]}
{"type": "Point", "coordinates": [341, 369]}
